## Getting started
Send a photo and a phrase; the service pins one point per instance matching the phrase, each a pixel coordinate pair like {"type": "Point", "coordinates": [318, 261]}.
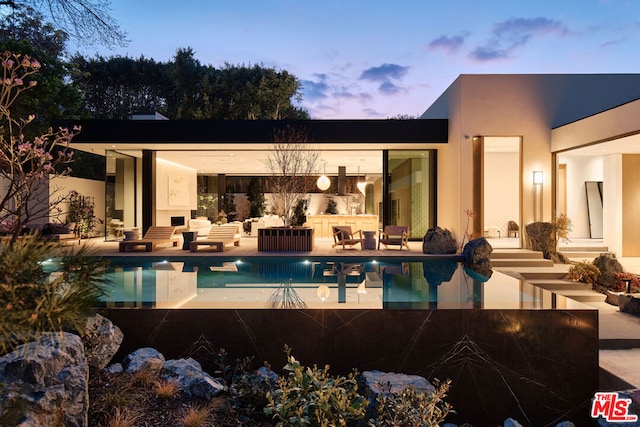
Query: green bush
{"type": "Point", "coordinates": [34, 300]}
{"type": "Point", "coordinates": [311, 397]}
{"type": "Point", "coordinates": [411, 408]}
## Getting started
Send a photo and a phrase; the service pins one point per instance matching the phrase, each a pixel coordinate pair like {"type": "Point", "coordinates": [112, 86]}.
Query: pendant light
{"type": "Point", "coordinates": [362, 185]}
{"type": "Point", "coordinates": [324, 182]}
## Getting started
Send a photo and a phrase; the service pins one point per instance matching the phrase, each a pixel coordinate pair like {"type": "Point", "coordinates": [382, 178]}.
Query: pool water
{"type": "Point", "coordinates": [262, 283]}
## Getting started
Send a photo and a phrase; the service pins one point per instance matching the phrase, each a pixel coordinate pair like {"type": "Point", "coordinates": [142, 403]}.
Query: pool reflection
{"type": "Point", "coordinates": [318, 284]}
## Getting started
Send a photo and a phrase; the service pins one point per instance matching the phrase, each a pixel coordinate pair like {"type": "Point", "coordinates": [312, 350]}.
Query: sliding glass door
{"type": "Point", "coordinates": [410, 193]}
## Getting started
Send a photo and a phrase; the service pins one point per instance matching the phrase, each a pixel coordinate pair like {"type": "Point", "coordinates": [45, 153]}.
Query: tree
{"type": "Point", "coordinates": [183, 88]}
{"type": "Point", "coordinates": [293, 163]}
{"type": "Point", "coordinates": [27, 166]}
{"type": "Point", "coordinates": [117, 87]}
{"type": "Point", "coordinates": [87, 21]}
{"type": "Point", "coordinates": [55, 98]}
{"type": "Point", "coordinates": [255, 194]}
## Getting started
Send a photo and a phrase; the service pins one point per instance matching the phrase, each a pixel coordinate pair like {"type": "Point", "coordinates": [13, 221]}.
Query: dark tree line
{"type": "Point", "coordinates": [73, 87]}
{"type": "Point", "coordinates": [183, 88]}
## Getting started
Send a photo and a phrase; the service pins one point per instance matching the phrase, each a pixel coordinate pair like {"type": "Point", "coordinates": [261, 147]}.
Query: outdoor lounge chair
{"type": "Point", "coordinates": [342, 235]}
{"type": "Point", "coordinates": [218, 237]}
{"type": "Point", "coordinates": [155, 235]}
{"type": "Point", "coordinates": [394, 235]}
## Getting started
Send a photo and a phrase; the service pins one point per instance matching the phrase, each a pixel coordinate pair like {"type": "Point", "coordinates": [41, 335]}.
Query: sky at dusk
{"type": "Point", "coordinates": [379, 59]}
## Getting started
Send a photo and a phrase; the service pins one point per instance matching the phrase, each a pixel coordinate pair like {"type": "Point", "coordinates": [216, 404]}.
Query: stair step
{"type": "Point", "coordinates": [515, 253]}
{"type": "Point", "coordinates": [583, 296]}
{"type": "Point", "coordinates": [521, 262]}
{"type": "Point", "coordinates": [583, 249]}
{"type": "Point", "coordinates": [581, 256]}
{"type": "Point", "coordinates": [559, 284]}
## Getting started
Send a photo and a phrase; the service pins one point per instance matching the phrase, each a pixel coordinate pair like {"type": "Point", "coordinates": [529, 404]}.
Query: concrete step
{"type": "Point", "coordinates": [583, 249]}
{"type": "Point", "coordinates": [555, 272]}
{"type": "Point", "coordinates": [515, 254]}
{"type": "Point", "coordinates": [559, 284]}
{"type": "Point", "coordinates": [521, 262]}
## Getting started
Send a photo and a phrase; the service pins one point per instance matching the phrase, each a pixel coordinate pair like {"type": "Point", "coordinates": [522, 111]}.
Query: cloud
{"type": "Point", "coordinates": [313, 90]}
{"type": "Point", "coordinates": [509, 35]}
{"type": "Point", "coordinates": [371, 113]}
{"type": "Point", "coordinates": [389, 88]}
{"type": "Point", "coordinates": [448, 44]}
{"type": "Point", "coordinates": [384, 73]}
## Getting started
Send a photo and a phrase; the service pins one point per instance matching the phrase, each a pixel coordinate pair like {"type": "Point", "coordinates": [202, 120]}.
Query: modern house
{"type": "Point", "coordinates": [478, 147]}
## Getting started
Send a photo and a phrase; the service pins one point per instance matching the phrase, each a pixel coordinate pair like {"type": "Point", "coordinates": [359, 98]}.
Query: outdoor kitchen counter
{"type": "Point", "coordinates": [322, 224]}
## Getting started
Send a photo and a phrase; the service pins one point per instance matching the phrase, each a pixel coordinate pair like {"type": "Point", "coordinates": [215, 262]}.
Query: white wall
{"type": "Point", "coordinates": [502, 191]}
{"type": "Point", "coordinates": [612, 203]}
{"type": "Point", "coordinates": [579, 170]}
{"type": "Point", "coordinates": [176, 191]}
{"type": "Point", "coordinates": [85, 187]}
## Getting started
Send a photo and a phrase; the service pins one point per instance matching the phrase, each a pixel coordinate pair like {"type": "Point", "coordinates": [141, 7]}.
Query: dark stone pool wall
{"type": "Point", "coordinates": [537, 366]}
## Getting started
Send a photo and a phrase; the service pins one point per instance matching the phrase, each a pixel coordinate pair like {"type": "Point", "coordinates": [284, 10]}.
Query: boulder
{"type": "Point", "coordinates": [387, 383]}
{"type": "Point", "coordinates": [191, 379]}
{"type": "Point", "coordinates": [629, 304]}
{"type": "Point", "coordinates": [45, 383]}
{"type": "Point", "coordinates": [144, 359]}
{"type": "Point", "coordinates": [608, 265]}
{"type": "Point", "coordinates": [541, 237]}
{"type": "Point", "coordinates": [477, 257]}
{"type": "Point", "coordinates": [439, 241]}
{"type": "Point", "coordinates": [510, 422]}
{"type": "Point", "coordinates": [102, 340]}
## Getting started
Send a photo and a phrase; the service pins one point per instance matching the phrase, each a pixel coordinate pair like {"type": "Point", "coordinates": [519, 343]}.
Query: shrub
{"type": "Point", "coordinates": [34, 300]}
{"type": "Point", "coordinates": [412, 408]}
{"type": "Point", "coordinates": [249, 390]}
{"type": "Point", "coordinates": [195, 416]}
{"type": "Point", "coordinates": [584, 272]}
{"type": "Point", "coordinates": [621, 285]}
{"type": "Point", "coordinates": [310, 396]}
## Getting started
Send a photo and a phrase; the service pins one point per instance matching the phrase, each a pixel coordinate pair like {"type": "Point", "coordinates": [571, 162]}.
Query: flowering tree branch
{"type": "Point", "coordinates": [27, 167]}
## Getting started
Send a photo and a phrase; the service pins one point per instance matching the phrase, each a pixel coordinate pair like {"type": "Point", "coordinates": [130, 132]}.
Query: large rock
{"type": "Point", "coordinates": [608, 265]}
{"type": "Point", "coordinates": [541, 237]}
{"type": "Point", "coordinates": [439, 241]}
{"type": "Point", "coordinates": [102, 340]}
{"type": "Point", "coordinates": [144, 359]}
{"type": "Point", "coordinates": [629, 304]}
{"type": "Point", "coordinates": [387, 383]}
{"type": "Point", "coordinates": [45, 383]}
{"type": "Point", "coordinates": [191, 379]}
{"type": "Point", "coordinates": [375, 383]}
{"type": "Point", "coordinates": [477, 257]}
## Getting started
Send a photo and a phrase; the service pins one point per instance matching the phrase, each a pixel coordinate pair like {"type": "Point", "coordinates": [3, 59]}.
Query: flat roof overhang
{"type": "Point", "coordinates": [178, 134]}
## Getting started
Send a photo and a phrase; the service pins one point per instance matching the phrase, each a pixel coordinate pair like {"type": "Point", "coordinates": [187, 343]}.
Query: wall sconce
{"type": "Point", "coordinates": [538, 177]}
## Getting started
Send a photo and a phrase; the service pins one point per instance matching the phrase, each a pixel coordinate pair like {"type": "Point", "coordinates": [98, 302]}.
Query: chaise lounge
{"type": "Point", "coordinates": [218, 237]}
{"type": "Point", "coordinates": [155, 235]}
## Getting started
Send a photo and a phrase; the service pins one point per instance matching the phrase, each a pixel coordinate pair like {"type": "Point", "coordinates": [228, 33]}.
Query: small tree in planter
{"type": "Point", "coordinates": [332, 207]}
{"type": "Point", "coordinates": [293, 163]}
{"type": "Point", "coordinates": [82, 212]}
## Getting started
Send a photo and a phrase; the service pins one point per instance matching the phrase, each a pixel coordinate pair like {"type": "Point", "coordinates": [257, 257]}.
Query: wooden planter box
{"type": "Point", "coordinates": [285, 239]}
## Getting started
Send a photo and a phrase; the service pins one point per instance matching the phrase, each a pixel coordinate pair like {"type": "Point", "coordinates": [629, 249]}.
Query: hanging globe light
{"type": "Point", "coordinates": [323, 183]}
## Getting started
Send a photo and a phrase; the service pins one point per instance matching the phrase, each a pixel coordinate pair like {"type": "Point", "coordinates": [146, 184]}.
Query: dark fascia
{"type": "Point", "coordinates": [258, 131]}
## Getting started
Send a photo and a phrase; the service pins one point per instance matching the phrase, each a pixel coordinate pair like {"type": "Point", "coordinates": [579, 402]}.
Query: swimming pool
{"type": "Point", "coordinates": [315, 283]}
{"type": "Point", "coordinates": [510, 348]}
